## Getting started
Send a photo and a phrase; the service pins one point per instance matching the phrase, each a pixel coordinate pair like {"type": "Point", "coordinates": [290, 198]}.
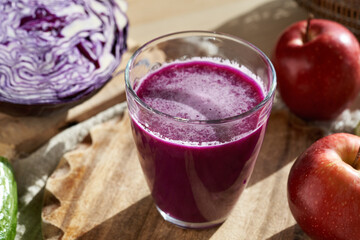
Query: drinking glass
{"type": "Point", "coordinates": [196, 169]}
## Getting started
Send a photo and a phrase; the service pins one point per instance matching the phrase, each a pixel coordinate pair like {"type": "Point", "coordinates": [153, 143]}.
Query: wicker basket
{"type": "Point", "coordinates": [346, 12]}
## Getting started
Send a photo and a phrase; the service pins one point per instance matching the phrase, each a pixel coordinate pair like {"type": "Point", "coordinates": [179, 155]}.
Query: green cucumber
{"type": "Point", "coordinates": [8, 201]}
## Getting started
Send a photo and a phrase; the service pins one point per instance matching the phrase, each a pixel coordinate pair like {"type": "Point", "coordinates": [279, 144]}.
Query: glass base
{"type": "Point", "coordinates": [192, 225]}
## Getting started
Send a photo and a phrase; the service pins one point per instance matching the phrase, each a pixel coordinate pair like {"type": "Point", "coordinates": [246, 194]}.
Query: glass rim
{"type": "Point", "coordinates": [267, 61]}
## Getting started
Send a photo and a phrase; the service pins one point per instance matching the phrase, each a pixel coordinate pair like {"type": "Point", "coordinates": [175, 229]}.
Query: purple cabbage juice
{"type": "Point", "coordinates": [196, 171]}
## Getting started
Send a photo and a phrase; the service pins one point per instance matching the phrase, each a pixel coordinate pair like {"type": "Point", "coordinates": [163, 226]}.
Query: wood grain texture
{"type": "Point", "coordinates": [98, 191]}
{"type": "Point", "coordinates": [257, 21]}
{"type": "Point", "coordinates": [92, 183]}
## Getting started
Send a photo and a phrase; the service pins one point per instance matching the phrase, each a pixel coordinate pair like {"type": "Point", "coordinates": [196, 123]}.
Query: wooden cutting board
{"type": "Point", "coordinates": [20, 136]}
{"type": "Point", "coordinates": [98, 191]}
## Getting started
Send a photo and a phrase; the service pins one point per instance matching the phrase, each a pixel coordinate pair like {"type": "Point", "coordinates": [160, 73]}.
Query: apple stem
{"type": "Point", "coordinates": [307, 37]}
{"type": "Point", "coordinates": [356, 159]}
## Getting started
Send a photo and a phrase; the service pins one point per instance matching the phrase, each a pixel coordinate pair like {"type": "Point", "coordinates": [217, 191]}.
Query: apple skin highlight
{"type": "Point", "coordinates": [324, 188]}
{"type": "Point", "coordinates": [318, 75]}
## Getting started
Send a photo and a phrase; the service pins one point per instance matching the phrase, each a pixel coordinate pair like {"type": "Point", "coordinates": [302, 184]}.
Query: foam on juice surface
{"type": "Point", "coordinates": [200, 90]}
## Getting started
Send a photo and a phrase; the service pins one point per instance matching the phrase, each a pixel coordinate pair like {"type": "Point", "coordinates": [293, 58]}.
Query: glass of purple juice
{"type": "Point", "coordinates": [199, 103]}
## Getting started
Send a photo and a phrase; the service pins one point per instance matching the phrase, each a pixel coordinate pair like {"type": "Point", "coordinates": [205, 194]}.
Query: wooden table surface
{"type": "Point", "coordinates": [258, 21]}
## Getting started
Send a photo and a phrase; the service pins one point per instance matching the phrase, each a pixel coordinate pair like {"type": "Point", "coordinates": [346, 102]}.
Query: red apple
{"type": "Point", "coordinates": [317, 64]}
{"type": "Point", "coordinates": [324, 188]}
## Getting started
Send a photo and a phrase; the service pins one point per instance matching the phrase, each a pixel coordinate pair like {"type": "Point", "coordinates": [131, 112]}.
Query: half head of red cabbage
{"type": "Point", "coordinates": [54, 52]}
